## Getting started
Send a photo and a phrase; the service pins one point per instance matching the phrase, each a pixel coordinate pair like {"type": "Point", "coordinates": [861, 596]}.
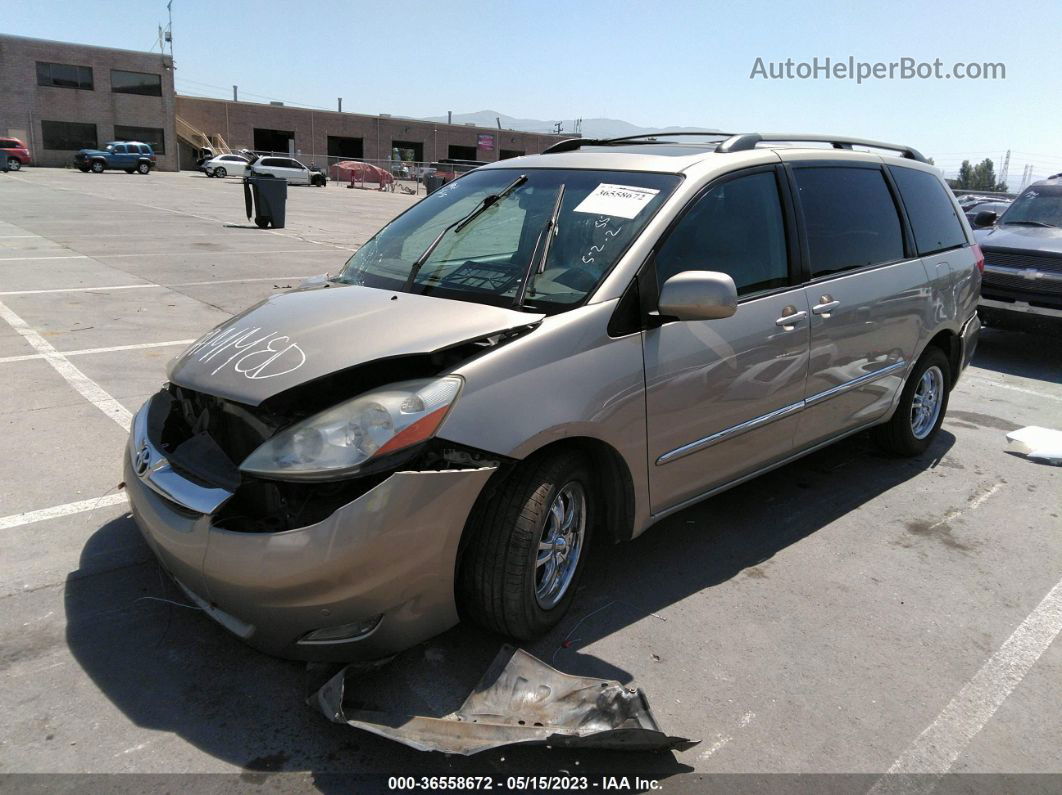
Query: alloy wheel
{"type": "Point", "coordinates": [560, 545]}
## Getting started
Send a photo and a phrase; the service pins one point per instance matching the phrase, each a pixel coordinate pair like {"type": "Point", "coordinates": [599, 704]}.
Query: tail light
{"type": "Point", "coordinates": [976, 249]}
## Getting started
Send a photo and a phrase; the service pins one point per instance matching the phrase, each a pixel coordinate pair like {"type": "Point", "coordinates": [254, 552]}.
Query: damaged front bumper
{"type": "Point", "coordinates": [373, 578]}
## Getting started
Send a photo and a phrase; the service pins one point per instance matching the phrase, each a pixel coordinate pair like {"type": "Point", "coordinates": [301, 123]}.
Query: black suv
{"type": "Point", "coordinates": [1022, 283]}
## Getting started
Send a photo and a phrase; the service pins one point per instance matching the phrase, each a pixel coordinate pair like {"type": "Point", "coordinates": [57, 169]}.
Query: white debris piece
{"type": "Point", "coordinates": [1040, 444]}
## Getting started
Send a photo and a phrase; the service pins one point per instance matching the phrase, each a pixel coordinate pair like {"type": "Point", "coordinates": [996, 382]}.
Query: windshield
{"type": "Point", "coordinates": [599, 213]}
{"type": "Point", "coordinates": [1038, 206]}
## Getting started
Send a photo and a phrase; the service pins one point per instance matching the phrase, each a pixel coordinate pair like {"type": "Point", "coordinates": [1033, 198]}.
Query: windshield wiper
{"type": "Point", "coordinates": [1027, 223]}
{"type": "Point", "coordinates": [537, 263]}
{"type": "Point", "coordinates": [485, 204]}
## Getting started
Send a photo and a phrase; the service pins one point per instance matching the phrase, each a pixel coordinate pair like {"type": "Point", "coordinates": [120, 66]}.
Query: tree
{"type": "Point", "coordinates": [979, 177]}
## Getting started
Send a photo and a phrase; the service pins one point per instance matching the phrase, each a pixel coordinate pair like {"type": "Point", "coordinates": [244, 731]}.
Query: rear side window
{"type": "Point", "coordinates": [7, 144]}
{"type": "Point", "coordinates": [933, 220]}
{"type": "Point", "coordinates": [850, 217]}
{"type": "Point", "coordinates": [735, 228]}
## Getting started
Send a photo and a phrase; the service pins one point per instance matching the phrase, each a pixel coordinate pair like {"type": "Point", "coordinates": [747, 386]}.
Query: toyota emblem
{"type": "Point", "coordinates": [142, 460]}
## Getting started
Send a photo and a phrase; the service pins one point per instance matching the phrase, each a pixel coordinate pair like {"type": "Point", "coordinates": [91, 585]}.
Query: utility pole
{"type": "Point", "coordinates": [340, 104]}
{"type": "Point", "coordinates": [235, 94]}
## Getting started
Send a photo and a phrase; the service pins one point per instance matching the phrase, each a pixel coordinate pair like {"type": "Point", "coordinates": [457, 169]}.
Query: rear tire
{"type": "Point", "coordinates": [528, 546]}
{"type": "Point", "coordinates": [143, 168]}
{"type": "Point", "coordinates": [97, 167]}
{"type": "Point", "coordinates": [14, 164]}
{"type": "Point", "coordinates": [220, 172]}
{"type": "Point", "coordinates": [923, 404]}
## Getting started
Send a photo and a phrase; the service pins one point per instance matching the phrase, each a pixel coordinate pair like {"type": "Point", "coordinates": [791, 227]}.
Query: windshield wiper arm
{"type": "Point", "coordinates": [486, 203]}
{"type": "Point", "coordinates": [537, 263]}
{"type": "Point", "coordinates": [1027, 223]}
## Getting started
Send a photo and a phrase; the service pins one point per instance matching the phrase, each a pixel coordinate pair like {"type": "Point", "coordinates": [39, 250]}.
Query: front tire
{"type": "Point", "coordinates": [97, 167]}
{"type": "Point", "coordinates": [14, 164]}
{"type": "Point", "coordinates": [923, 404]}
{"type": "Point", "coordinates": [528, 547]}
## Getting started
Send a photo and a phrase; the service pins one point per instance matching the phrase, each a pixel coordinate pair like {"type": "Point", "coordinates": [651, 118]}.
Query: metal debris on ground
{"type": "Point", "coordinates": [520, 700]}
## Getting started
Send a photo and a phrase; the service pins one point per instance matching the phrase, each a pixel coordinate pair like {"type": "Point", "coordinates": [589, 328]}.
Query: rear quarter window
{"type": "Point", "coordinates": [935, 224]}
{"type": "Point", "coordinates": [850, 218]}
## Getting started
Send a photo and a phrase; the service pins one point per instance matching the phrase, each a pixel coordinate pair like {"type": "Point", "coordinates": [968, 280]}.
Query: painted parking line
{"type": "Point", "coordinates": [935, 750]}
{"type": "Point", "coordinates": [36, 259]}
{"type": "Point", "coordinates": [87, 351]}
{"type": "Point", "coordinates": [89, 389]}
{"type": "Point", "coordinates": [148, 285]}
{"type": "Point", "coordinates": [44, 514]}
{"type": "Point", "coordinates": [1012, 388]}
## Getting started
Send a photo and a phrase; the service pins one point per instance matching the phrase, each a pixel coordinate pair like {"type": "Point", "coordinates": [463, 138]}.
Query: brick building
{"type": "Point", "coordinates": [320, 133]}
{"type": "Point", "coordinates": [60, 97]}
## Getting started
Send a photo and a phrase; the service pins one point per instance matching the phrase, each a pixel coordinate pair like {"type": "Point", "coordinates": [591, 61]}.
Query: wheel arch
{"type": "Point", "coordinates": [614, 484]}
{"type": "Point", "coordinates": [950, 343]}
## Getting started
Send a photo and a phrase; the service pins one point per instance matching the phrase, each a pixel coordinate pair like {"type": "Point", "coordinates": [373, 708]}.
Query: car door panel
{"type": "Point", "coordinates": [722, 396]}
{"type": "Point", "coordinates": [863, 340]}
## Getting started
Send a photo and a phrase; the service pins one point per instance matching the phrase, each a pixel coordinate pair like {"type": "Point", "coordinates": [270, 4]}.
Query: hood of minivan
{"type": "Point", "coordinates": [296, 337]}
{"type": "Point", "coordinates": [1027, 238]}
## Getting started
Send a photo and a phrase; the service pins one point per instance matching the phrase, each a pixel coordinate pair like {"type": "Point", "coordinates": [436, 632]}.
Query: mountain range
{"type": "Point", "coordinates": [590, 128]}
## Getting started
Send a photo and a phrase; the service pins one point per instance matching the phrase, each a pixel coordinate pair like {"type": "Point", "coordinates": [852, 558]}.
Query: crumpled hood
{"type": "Point", "coordinates": [1026, 238]}
{"type": "Point", "coordinates": [296, 337]}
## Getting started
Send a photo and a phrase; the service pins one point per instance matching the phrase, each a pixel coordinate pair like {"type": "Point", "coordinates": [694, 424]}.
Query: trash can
{"type": "Point", "coordinates": [265, 197]}
{"type": "Point", "coordinates": [432, 183]}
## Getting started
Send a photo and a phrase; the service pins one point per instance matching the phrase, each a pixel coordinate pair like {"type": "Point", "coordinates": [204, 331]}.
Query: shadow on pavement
{"type": "Point", "coordinates": [1020, 353]}
{"type": "Point", "coordinates": [169, 668]}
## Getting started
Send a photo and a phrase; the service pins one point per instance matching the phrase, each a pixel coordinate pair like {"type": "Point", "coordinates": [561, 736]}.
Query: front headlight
{"type": "Point", "coordinates": [341, 440]}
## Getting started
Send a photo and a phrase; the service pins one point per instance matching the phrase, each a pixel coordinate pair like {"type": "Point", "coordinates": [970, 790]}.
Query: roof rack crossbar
{"type": "Point", "coordinates": [571, 144]}
{"type": "Point", "coordinates": [747, 141]}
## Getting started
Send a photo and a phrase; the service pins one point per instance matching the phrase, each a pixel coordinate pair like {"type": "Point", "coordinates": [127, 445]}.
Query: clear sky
{"type": "Point", "coordinates": [650, 63]}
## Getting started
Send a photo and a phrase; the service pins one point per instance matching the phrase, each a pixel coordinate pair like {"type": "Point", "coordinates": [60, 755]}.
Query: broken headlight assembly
{"type": "Point", "coordinates": [341, 441]}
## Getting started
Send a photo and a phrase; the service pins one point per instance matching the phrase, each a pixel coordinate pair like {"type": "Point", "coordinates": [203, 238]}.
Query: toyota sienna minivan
{"type": "Point", "coordinates": [547, 355]}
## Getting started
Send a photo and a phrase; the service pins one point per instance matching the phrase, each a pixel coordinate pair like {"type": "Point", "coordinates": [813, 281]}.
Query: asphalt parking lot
{"type": "Point", "coordinates": [849, 613]}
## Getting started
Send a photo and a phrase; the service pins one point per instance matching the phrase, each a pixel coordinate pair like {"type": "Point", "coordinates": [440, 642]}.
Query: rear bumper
{"type": "Point", "coordinates": [390, 553]}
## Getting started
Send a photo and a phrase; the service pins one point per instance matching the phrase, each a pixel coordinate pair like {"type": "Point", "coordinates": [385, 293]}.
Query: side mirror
{"type": "Point", "coordinates": [698, 295]}
{"type": "Point", "coordinates": [985, 218]}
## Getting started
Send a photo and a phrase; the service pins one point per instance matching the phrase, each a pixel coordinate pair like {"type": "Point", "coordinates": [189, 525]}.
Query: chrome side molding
{"type": "Point", "coordinates": [777, 414]}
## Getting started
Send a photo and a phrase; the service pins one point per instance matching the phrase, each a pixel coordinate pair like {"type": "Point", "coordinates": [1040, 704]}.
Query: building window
{"type": "Point", "coordinates": [152, 136]}
{"type": "Point", "coordinates": [61, 75]}
{"type": "Point", "coordinates": [68, 135]}
{"type": "Point", "coordinates": [338, 146]}
{"type": "Point", "coordinates": [272, 140]}
{"type": "Point", "coordinates": [407, 151]}
{"type": "Point", "coordinates": [143, 83]}
{"type": "Point", "coordinates": [505, 154]}
{"type": "Point", "coordinates": [461, 152]}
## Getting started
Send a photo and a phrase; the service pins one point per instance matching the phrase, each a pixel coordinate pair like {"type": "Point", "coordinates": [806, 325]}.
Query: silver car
{"type": "Point", "coordinates": [546, 356]}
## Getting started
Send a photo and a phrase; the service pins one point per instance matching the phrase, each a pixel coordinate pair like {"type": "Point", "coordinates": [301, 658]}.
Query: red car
{"type": "Point", "coordinates": [16, 153]}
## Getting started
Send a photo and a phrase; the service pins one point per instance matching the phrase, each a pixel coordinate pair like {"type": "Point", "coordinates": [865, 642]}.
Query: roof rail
{"type": "Point", "coordinates": [571, 144]}
{"type": "Point", "coordinates": [746, 141]}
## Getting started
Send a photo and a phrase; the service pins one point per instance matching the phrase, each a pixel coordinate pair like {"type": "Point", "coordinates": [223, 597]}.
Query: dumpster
{"type": "Point", "coordinates": [265, 197]}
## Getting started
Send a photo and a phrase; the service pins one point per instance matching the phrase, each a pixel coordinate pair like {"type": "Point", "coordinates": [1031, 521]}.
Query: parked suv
{"type": "Point", "coordinates": [547, 354]}
{"type": "Point", "coordinates": [1023, 260]}
{"type": "Point", "coordinates": [129, 156]}
{"type": "Point", "coordinates": [15, 153]}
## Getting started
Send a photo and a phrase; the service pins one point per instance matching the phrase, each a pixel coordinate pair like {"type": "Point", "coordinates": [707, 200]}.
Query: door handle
{"type": "Point", "coordinates": [825, 307]}
{"type": "Point", "coordinates": [790, 320]}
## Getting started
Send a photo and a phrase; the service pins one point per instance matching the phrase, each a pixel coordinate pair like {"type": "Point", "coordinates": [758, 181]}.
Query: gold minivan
{"type": "Point", "coordinates": [546, 355]}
